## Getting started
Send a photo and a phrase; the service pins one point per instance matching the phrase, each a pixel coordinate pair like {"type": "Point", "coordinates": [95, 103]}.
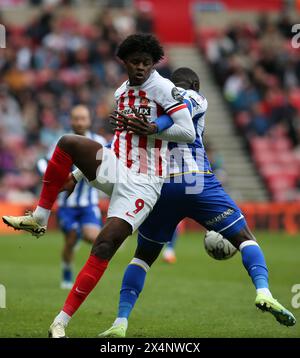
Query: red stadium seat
{"type": "Point", "coordinates": [259, 144]}
{"type": "Point", "coordinates": [270, 171]}
{"type": "Point", "coordinates": [285, 158]}
{"type": "Point", "coordinates": [264, 157]}
{"type": "Point", "coordinates": [277, 181]}
{"type": "Point", "coordinates": [294, 98]}
{"type": "Point", "coordinates": [281, 144]}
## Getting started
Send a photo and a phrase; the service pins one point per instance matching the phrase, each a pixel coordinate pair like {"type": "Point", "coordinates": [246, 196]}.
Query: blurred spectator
{"type": "Point", "coordinates": [259, 72]}
{"type": "Point", "coordinates": [41, 25]}
{"type": "Point", "coordinates": [10, 114]}
{"type": "Point", "coordinates": [53, 63]}
{"type": "Point", "coordinates": [144, 17]}
{"type": "Point", "coordinates": [284, 25]}
{"type": "Point", "coordinates": [7, 160]}
{"type": "Point", "coordinates": [259, 123]}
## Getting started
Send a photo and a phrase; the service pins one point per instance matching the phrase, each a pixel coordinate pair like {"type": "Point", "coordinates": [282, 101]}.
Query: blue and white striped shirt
{"type": "Point", "coordinates": [191, 158]}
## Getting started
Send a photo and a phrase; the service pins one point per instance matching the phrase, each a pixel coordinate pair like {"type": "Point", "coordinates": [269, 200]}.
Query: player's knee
{"type": "Point", "coordinates": [242, 236]}
{"type": "Point", "coordinates": [67, 142]}
{"type": "Point", "coordinates": [110, 238]}
{"type": "Point", "coordinates": [104, 249]}
{"type": "Point", "coordinates": [245, 235]}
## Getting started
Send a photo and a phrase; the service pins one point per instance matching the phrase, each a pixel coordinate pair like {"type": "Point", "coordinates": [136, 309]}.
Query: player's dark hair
{"type": "Point", "coordinates": [141, 43]}
{"type": "Point", "coordinates": [186, 78]}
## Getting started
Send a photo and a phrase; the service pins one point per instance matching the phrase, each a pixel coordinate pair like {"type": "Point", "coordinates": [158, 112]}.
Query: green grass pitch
{"type": "Point", "coordinates": [196, 297]}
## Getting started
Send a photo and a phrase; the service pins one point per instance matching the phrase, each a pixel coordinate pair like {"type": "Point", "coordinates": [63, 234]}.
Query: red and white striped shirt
{"type": "Point", "coordinates": [145, 154]}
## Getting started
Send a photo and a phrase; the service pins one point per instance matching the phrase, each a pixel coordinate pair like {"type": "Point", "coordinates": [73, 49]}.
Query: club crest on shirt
{"type": "Point", "coordinates": [176, 94]}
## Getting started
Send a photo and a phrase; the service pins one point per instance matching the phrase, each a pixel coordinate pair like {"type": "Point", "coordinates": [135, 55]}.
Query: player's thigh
{"type": "Point", "coordinates": [67, 219]}
{"type": "Point", "coordinates": [86, 153]}
{"type": "Point", "coordinates": [215, 210]}
{"type": "Point", "coordinates": [160, 225]}
{"type": "Point", "coordinates": [167, 213]}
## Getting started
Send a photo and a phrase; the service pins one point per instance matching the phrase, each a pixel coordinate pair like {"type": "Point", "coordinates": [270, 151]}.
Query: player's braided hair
{"type": "Point", "coordinates": [141, 43]}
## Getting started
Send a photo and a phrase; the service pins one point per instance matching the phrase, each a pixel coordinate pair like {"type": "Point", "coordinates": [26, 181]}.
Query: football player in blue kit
{"type": "Point", "coordinates": [78, 214]}
{"type": "Point", "coordinates": [192, 190]}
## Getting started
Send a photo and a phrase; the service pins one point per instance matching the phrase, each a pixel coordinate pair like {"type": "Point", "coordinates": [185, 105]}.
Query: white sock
{"type": "Point", "coordinates": [168, 251]}
{"type": "Point", "coordinates": [63, 318]}
{"type": "Point", "coordinates": [66, 265]}
{"type": "Point", "coordinates": [41, 215]}
{"type": "Point", "coordinates": [265, 291]}
{"type": "Point", "coordinates": [121, 320]}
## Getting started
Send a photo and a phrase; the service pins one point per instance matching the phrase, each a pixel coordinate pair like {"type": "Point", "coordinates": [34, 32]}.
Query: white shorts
{"type": "Point", "coordinates": [132, 195]}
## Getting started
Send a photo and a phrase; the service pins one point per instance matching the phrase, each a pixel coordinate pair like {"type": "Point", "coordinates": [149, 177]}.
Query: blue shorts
{"type": "Point", "coordinates": [211, 207]}
{"type": "Point", "coordinates": [75, 218]}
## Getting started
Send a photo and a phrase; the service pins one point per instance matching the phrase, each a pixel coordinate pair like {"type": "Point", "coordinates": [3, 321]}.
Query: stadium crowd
{"type": "Point", "coordinates": [258, 71]}
{"type": "Point", "coordinates": [51, 64]}
{"type": "Point", "coordinates": [55, 62]}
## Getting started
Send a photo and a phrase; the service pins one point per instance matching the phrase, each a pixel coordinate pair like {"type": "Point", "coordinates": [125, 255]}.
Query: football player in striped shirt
{"type": "Point", "coordinates": [131, 172]}
{"type": "Point", "coordinates": [193, 191]}
{"type": "Point", "coordinates": [78, 214]}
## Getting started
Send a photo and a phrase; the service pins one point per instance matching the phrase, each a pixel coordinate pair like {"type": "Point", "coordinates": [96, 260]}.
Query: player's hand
{"type": "Point", "coordinates": [136, 124]}
{"type": "Point", "coordinates": [69, 185]}
{"type": "Point", "coordinates": [118, 120]}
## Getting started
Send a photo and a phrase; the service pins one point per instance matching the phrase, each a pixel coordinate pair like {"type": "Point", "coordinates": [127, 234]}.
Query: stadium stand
{"type": "Point", "coordinates": [258, 71]}
{"type": "Point", "coordinates": [62, 53]}
{"type": "Point", "coordinates": [53, 62]}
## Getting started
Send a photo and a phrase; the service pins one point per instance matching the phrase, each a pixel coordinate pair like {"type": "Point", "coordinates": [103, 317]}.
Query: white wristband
{"type": "Point", "coordinates": [78, 175]}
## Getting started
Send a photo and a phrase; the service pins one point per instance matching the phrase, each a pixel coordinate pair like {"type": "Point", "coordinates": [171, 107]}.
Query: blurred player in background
{"type": "Point", "coordinates": [209, 205]}
{"type": "Point", "coordinates": [168, 252]}
{"type": "Point", "coordinates": [131, 173]}
{"type": "Point", "coordinates": [78, 215]}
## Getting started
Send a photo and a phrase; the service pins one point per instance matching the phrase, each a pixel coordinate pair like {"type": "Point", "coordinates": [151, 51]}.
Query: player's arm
{"type": "Point", "coordinates": [179, 126]}
{"type": "Point", "coordinates": [172, 102]}
{"type": "Point", "coordinates": [164, 121]}
{"type": "Point", "coordinates": [73, 178]}
{"type": "Point", "coordinates": [168, 97]}
{"type": "Point", "coordinates": [41, 166]}
{"type": "Point", "coordinates": [42, 163]}
{"type": "Point", "coordinates": [176, 126]}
